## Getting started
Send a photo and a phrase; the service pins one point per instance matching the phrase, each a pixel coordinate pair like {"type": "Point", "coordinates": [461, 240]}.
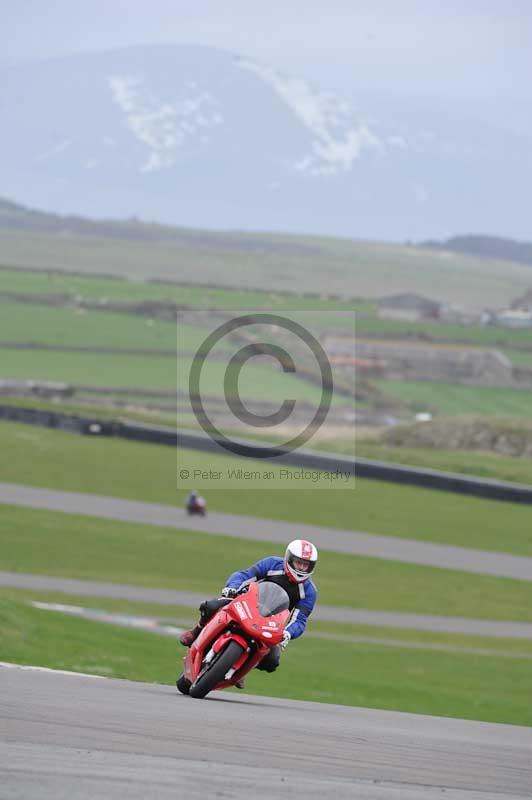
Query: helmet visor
{"type": "Point", "coordinates": [301, 566]}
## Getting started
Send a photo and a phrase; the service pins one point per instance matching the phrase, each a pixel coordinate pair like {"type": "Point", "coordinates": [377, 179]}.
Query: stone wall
{"type": "Point", "coordinates": [418, 361]}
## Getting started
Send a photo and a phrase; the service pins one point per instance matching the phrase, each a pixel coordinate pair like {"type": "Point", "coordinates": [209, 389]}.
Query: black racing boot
{"type": "Point", "coordinates": [188, 637]}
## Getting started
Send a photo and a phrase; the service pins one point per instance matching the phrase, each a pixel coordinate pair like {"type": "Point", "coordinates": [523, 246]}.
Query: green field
{"type": "Point", "coordinates": [53, 543]}
{"type": "Point", "coordinates": [152, 372]}
{"type": "Point", "coordinates": [88, 369]}
{"type": "Point", "coordinates": [75, 327]}
{"type": "Point", "coordinates": [61, 460]}
{"type": "Point", "coordinates": [520, 358]}
{"type": "Point", "coordinates": [457, 684]}
{"type": "Point", "coordinates": [98, 329]}
{"type": "Point", "coordinates": [159, 372]}
{"type": "Point", "coordinates": [367, 322]}
{"type": "Point", "coordinates": [37, 282]}
{"type": "Point", "coordinates": [21, 322]}
{"type": "Point", "coordinates": [256, 383]}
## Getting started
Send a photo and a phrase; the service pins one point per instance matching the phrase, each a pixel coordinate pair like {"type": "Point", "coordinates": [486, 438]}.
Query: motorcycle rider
{"type": "Point", "coordinates": [195, 501]}
{"type": "Point", "coordinates": [293, 573]}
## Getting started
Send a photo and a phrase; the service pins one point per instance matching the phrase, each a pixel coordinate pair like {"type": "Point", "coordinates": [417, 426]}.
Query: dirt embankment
{"type": "Point", "coordinates": [504, 438]}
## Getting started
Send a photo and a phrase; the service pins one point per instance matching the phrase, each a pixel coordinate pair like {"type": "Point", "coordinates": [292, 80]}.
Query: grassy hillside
{"type": "Point", "coordinates": [368, 324]}
{"type": "Point", "coordinates": [296, 264]}
{"type": "Point", "coordinates": [34, 281]}
{"type": "Point", "coordinates": [486, 247]}
{"type": "Point", "coordinates": [73, 326]}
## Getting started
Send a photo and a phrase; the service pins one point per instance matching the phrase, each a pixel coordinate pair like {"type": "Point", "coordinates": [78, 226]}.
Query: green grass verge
{"type": "Point", "coordinates": [376, 676]}
{"type": "Point", "coordinates": [452, 399]}
{"type": "Point", "coordinates": [186, 616]}
{"type": "Point", "coordinates": [481, 464]}
{"type": "Point", "coordinates": [93, 549]}
{"type": "Point", "coordinates": [60, 460]}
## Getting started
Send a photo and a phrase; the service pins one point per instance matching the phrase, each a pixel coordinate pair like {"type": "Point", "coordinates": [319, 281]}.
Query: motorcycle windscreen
{"type": "Point", "coordinates": [272, 599]}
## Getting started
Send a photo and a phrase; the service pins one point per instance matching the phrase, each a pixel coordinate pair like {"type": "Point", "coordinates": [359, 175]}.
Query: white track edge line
{"type": "Point", "coordinates": [9, 665]}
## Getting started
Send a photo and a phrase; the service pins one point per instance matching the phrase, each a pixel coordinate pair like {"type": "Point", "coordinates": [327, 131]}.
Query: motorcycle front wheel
{"type": "Point", "coordinates": [183, 684]}
{"type": "Point", "coordinates": [216, 671]}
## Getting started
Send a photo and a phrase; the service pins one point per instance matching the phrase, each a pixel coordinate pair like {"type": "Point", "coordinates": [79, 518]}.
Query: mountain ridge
{"type": "Point", "coordinates": [17, 217]}
{"type": "Point", "coordinates": [205, 138]}
{"type": "Point", "coordinates": [478, 244]}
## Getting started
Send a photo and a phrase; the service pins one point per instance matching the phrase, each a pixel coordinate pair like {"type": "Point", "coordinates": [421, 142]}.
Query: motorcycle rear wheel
{"type": "Point", "coordinates": [216, 670]}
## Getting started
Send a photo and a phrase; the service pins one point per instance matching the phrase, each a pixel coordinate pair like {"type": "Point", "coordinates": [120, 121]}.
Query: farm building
{"type": "Point", "coordinates": [523, 303]}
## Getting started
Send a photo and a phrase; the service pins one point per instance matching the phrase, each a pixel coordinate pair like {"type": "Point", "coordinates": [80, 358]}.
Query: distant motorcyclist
{"type": "Point", "coordinates": [195, 503]}
{"type": "Point", "coordinates": [293, 573]}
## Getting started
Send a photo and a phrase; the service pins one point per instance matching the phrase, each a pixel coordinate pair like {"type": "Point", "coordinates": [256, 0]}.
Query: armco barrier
{"type": "Point", "coordinates": [376, 470]}
{"type": "Point", "coordinates": [364, 468]}
{"type": "Point", "coordinates": [59, 420]}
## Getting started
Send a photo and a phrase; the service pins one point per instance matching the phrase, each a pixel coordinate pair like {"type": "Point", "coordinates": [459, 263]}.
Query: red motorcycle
{"type": "Point", "coordinates": [237, 637]}
{"type": "Point", "coordinates": [197, 506]}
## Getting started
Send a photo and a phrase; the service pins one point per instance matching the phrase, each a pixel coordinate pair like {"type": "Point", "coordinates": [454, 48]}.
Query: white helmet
{"type": "Point", "coordinates": [300, 560]}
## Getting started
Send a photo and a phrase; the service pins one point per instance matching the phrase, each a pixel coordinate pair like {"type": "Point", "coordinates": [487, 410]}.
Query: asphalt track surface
{"type": "Point", "coordinates": [217, 523]}
{"type": "Point", "coordinates": [70, 736]}
{"type": "Point", "coordinates": [355, 616]}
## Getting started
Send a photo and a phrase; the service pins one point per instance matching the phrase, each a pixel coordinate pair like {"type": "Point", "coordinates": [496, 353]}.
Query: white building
{"type": "Point", "coordinates": [515, 318]}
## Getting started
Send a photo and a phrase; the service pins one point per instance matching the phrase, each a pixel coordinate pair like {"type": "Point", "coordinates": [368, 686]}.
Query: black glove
{"type": "Point", "coordinates": [228, 591]}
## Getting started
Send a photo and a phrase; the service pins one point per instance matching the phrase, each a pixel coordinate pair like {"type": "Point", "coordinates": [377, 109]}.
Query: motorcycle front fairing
{"type": "Point", "coordinates": [214, 629]}
{"type": "Point", "coordinates": [256, 620]}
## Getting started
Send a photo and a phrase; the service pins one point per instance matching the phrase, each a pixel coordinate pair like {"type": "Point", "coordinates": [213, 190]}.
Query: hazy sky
{"type": "Point", "coordinates": [478, 48]}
